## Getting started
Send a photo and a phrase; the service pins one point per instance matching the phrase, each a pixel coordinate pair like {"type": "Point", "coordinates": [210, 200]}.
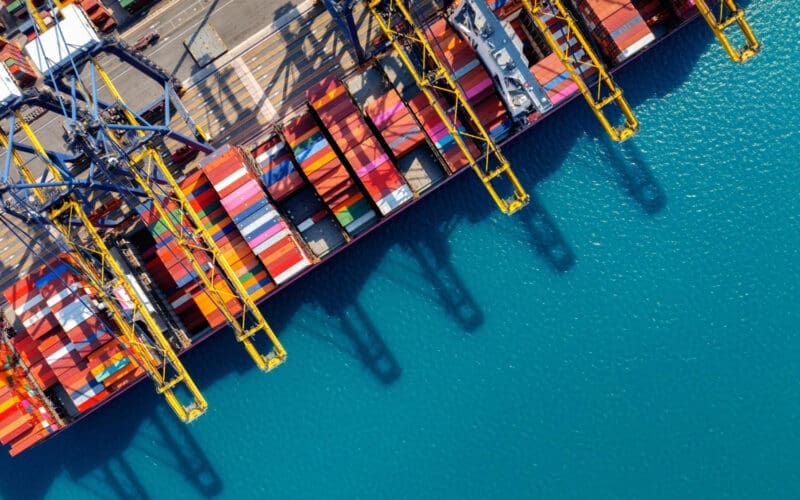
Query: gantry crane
{"type": "Point", "coordinates": [605, 91]}
{"type": "Point", "coordinates": [727, 14]}
{"type": "Point", "coordinates": [432, 76]}
{"type": "Point", "coordinates": [126, 144]}
{"type": "Point", "coordinates": [56, 200]}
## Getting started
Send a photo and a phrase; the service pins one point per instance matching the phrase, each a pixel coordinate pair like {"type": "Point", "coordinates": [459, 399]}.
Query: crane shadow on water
{"type": "Point", "coordinates": [94, 453]}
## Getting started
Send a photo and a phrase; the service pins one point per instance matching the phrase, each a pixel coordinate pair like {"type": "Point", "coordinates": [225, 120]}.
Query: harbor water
{"type": "Point", "coordinates": [631, 334]}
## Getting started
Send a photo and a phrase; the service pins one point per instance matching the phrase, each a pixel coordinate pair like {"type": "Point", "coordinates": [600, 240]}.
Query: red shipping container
{"type": "Point", "coordinates": [595, 11]}
{"type": "Point", "coordinates": [332, 183]}
{"type": "Point", "coordinates": [89, 403]}
{"type": "Point", "coordinates": [402, 126]}
{"type": "Point", "coordinates": [10, 416]}
{"type": "Point", "coordinates": [296, 137]}
{"type": "Point", "coordinates": [42, 326]}
{"type": "Point", "coordinates": [324, 91]}
{"type": "Point", "coordinates": [382, 181]}
{"type": "Point", "coordinates": [336, 111]}
{"type": "Point", "coordinates": [350, 133]}
{"type": "Point", "coordinates": [454, 158]}
{"type": "Point", "coordinates": [16, 429]}
{"type": "Point", "coordinates": [366, 156]}
{"type": "Point", "coordinates": [330, 100]}
{"type": "Point", "coordinates": [276, 253]}
{"type": "Point", "coordinates": [43, 374]}
{"type": "Point", "coordinates": [491, 111]}
{"type": "Point", "coordinates": [285, 263]}
{"type": "Point", "coordinates": [77, 379]}
{"type": "Point", "coordinates": [26, 441]}
{"type": "Point", "coordinates": [54, 339]}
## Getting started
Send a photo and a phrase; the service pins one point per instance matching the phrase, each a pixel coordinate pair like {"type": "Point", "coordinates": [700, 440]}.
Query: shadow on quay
{"type": "Point", "coordinates": [305, 57]}
{"type": "Point", "coordinates": [92, 453]}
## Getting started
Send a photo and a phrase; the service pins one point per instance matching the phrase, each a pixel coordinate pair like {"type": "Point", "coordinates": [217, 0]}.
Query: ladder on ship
{"type": "Point", "coordinates": [727, 14]}
{"type": "Point", "coordinates": [139, 331]}
{"type": "Point", "coordinates": [431, 75]}
{"type": "Point", "coordinates": [606, 92]}
{"type": "Point", "coordinates": [146, 167]}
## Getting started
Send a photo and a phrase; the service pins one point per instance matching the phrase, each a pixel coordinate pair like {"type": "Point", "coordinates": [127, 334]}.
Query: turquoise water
{"type": "Point", "coordinates": [657, 359]}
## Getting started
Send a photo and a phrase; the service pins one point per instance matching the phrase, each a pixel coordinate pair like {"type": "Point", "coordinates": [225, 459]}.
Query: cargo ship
{"type": "Point", "coordinates": [195, 248]}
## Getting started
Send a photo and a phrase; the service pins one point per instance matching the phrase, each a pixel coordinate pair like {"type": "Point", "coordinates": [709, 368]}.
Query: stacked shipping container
{"type": "Point", "coordinates": [473, 78]}
{"type": "Point", "coordinates": [263, 229]}
{"type": "Point", "coordinates": [24, 417]}
{"type": "Point", "coordinates": [360, 147]}
{"type": "Point", "coordinates": [327, 174]}
{"type": "Point", "coordinates": [617, 26]}
{"type": "Point", "coordinates": [99, 15]}
{"type": "Point", "coordinates": [279, 175]}
{"type": "Point", "coordinates": [394, 121]}
{"type": "Point", "coordinates": [175, 275]}
{"type": "Point", "coordinates": [65, 341]}
{"type": "Point", "coordinates": [18, 64]}
{"type": "Point", "coordinates": [250, 272]}
{"type": "Point", "coordinates": [277, 170]}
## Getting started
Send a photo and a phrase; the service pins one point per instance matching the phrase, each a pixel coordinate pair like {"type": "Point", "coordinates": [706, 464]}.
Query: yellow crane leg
{"type": "Point", "coordinates": [607, 91]}
{"type": "Point", "coordinates": [37, 18]}
{"type": "Point", "coordinates": [252, 321]}
{"type": "Point", "coordinates": [444, 82]}
{"type": "Point", "coordinates": [730, 13]}
{"type": "Point", "coordinates": [159, 360]}
{"type": "Point", "coordinates": [244, 327]}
